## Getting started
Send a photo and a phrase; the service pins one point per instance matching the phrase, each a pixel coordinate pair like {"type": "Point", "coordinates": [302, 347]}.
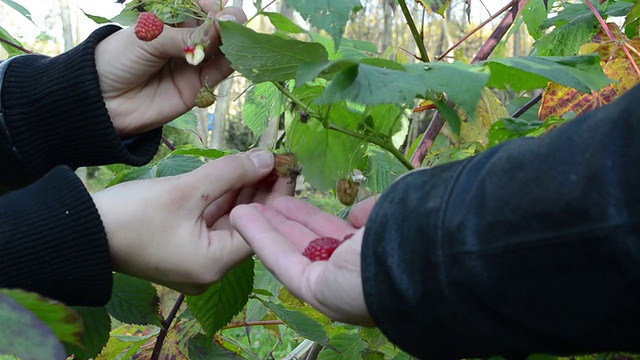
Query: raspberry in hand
{"type": "Point", "coordinates": [321, 249]}
{"type": "Point", "coordinates": [148, 26]}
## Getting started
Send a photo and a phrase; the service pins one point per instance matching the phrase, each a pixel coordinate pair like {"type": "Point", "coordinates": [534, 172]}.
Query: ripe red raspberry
{"type": "Point", "coordinates": [148, 27]}
{"type": "Point", "coordinates": [321, 248]}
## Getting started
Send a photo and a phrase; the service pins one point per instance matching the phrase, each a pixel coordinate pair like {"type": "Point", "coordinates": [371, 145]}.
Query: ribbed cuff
{"type": "Point", "coordinates": [56, 114]}
{"type": "Point", "coordinates": [52, 241]}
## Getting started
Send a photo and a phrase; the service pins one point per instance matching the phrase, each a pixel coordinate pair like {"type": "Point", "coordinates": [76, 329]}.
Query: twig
{"type": "Point", "coordinates": [424, 57]}
{"type": "Point", "coordinates": [10, 43]}
{"type": "Point", "coordinates": [610, 35]}
{"type": "Point", "coordinates": [476, 29]}
{"type": "Point", "coordinates": [168, 143]}
{"type": "Point", "coordinates": [527, 106]}
{"type": "Point", "coordinates": [313, 352]}
{"type": "Point", "coordinates": [487, 48]}
{"type": "Point", "coordinates": [166, 324]}
{"type": "Point", "coordinates": [253, 323]}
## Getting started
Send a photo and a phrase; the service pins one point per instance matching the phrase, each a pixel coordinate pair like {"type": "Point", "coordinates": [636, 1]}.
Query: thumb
{"type": "Point", "coordinates": [228, 173]}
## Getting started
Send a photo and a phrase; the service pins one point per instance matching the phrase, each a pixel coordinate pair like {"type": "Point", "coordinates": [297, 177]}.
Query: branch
{"type": "Point", "coordinates": [10, 43]}
{"type": "Point", "coordinates": [253, 323]}
{"type": "Point", "coordinates": [166, 324]}
{"type": "Point", "coordinates": [527, 106]}
{"type": "Point", "coordinates": [487, 48]}
{"type": "Point", "coordinates": [168, 143]}
{"type": "Point", "coordinates": [424, 57]}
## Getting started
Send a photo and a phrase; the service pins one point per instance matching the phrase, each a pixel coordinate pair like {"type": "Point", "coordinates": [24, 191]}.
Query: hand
{"type": "Point", "coordinates": [147, 84]}
{"type": "Point", "coordinates": [278, 234]}
{"type": "Point", "coordinates": [175, 231]}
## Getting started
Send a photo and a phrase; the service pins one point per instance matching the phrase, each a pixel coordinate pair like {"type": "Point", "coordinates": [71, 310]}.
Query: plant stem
{"type": "Point", "coordinates": [10, 43]}
{"type": "Point", "coordinates": [331, 126]}
{"type": "Point", "coordinates": [527, 106]}
{"type": "Point", "coordinates": [260, 11]}
{"type": "Point", "coordinates": [168, 143]}
{"type": "Point", "coordinates": [610, 35]}
{"type": "Point", "coordinates": [166, 324]}
{"type": "Point", "coordinates": [424, 57]}
{"type": "Point", "coordinates": [253, 323]}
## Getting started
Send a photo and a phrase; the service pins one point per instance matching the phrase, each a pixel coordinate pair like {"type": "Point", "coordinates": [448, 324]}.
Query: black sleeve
{"type": "Point", "coordinates": [530, 247]}
{"type": "Point", "coordinates": [52, 241]}
{"type": "Point", "coordinates": [54, 114]}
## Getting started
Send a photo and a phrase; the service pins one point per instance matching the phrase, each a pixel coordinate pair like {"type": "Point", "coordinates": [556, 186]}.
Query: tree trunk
{"type": "Point", "coordinates": [387, 36]}
{"type": "Point", "coordinates": [67, 31]}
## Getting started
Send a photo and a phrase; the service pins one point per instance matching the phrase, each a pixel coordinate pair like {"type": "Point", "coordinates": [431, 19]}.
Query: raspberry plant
{"type": "Point", "coordinates": [347, 106]}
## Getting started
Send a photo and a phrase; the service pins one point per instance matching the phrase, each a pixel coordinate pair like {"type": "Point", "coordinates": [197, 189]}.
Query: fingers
{"type": "Point", "coordinates": [322, 223]}
{"type": "Point", "coordinates": [360, 212]}
{"type": "Point", "coordinates": [276, 251]}
{"type": "Point", "coordinates": [215, 179]}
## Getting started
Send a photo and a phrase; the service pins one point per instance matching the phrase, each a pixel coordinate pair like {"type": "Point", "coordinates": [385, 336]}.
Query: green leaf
{"type": "Point", "coordinates": [96, 18]}
{"type": "Point", "coordinates": [186, 121]}
{"type": "Point", "coordinates": [261, 57]}
{"type": "Point", "coordinates": [176, 165]}
{"type": "Point", "coordinates": [437, 6]}
{"type": "Point", "coordinates": [283, 23]}
{"type": "Point", "coordinates": [349, 346]}
{"type": "Point", "coordinates": [362, 83]}
{"type": "Point", "coordinates": [134, 301]}
{"type": "Point", "coordinates": [534, 14]}
{"type": "Point", "coordinates": [572, 11]}
{"type": "Point", "coordinates": [63, 320]}
{"type": "Point", "coordinates": [19, 8]}
{"type": "Point", "coordinates": [300, 322]}
{"type": "Point", "coordinates": [566, 40]}
{"type": "Point", "coordinates": [583, 73]}
{"type": "Point", "coordinates": [23, 334]}
{"type": "Point", "coordinates": [511, 128]}
{"type": "Point", "coordinates": [97, 325]}
{"type": "Point", "coordinates": [200, 152]}
{"type": "Point", "coordinates": [326, 155]}
{"type": "Point", "coordinates": [202, 347]}
{"type": "Point", "coordinates": [383, 170]}
{"type": "Point", "coordinates": [11, 50]}
{"type": "Point", "coordinates": [633, 15]}
{"type": "Point", "coordinates": [126, 17]}
{"type": "Point", "coordinates": [349, 49]}
{"type": "Point", "coordinates": [224, 299]}
{"type": "Point", "coordinates": [136, 173]}
{"type": "Point", "coordinates": [329, 15]}
{"type": "Point", "coordinates": [263, 103]}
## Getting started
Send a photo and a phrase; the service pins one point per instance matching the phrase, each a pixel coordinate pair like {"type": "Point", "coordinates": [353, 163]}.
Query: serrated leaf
{"type": "Point", "coordinates": [177, 164]}
{"type": "Point", "coordinates": [571, 11]}
{"type": "Point", "coordinates": [567, 39]}
{"type": "Point", "coordinates": [264, 102]}
{"type": "Point", "coordinates": [23, 334]}
{"type": "Point", "coordinates": [126, 17]}
{"type": "Point", "coordinates": [349, 346]}
{"type": "Point", "coordinates": [19, 8]}
{"type": "Point", "coordinates": [202, 347]}
{"type": "Point", "coordinates": [534, 14]}
{"type": "Point", "coordinates": [97, 325]}
{"type": "Point", "coordinates": [329, 15]}
{"type": "Point", "coordinates": [63, 320]}
{"type": "Point", "coordinates": [282, 22]}
{"type": "Point", "coordinates": [300, 322]}
{"type": "Point", "coordinates": [383, 170]}
{"type": "Point", "coordinates": [224, 299]}
{"type": "Point", "coordinates": [349, 49]}
{"type": "Point", "coordinates": [134, 301]}
{"type": "Point", "coordinates": [326, 155]}
{"type": "Point", "coordinates": [137, 173]}
{"type": "Point", "coordinates": [186, 121]}
{"type": "Point", "coordinates": [583, 73]}
{"type": "Point", "coordinates": [262, 57]}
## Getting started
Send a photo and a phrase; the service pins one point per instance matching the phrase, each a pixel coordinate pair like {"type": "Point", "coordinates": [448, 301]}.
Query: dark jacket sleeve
{"type": "Point", "coordinates": [54, 114]}
{"type": "Point", "coordinates": [530, 247]}
{"type": "Point", "coordinates": [52, 120]}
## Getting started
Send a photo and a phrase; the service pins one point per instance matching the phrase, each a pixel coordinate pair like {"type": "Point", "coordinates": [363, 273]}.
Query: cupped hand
{"type": "Point", "coordinates": [279, 232]}
{"type": "Point", "coordinates": [175, 231]}
{"type": "Point", "coordinates": [147, 84]}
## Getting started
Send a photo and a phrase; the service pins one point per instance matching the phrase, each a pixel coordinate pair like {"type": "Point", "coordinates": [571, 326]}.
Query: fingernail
{"type": "Point", "coordinates": [261, 159]}
{"type": "Point", "coordinates": [227, 17]}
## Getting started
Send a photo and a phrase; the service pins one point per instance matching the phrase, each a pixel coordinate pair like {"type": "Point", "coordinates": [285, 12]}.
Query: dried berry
{"type": "Point", "coordinates": [304, 117]}
{"type": "Point", "coordinates": [148, 26]}
{"type": "Point", "coordinates": [347, 190]}
{"type": "Point", "coordinates": [205, 97]}
{"type": "Point", "coordinates": [321, 248]}
{"type": "Point", "coordinates": [286, 165]}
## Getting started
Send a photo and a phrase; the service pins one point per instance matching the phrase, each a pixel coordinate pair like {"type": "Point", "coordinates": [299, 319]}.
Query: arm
{"type": "Point", "coordinates": [533, 246]}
